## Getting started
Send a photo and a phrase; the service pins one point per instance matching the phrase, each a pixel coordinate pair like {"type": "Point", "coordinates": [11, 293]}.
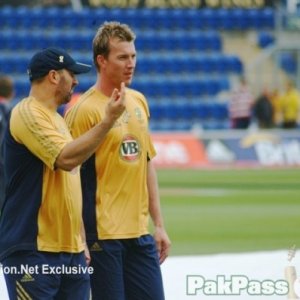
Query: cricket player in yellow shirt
{"type": "Point", "coordinates": [119, 182]}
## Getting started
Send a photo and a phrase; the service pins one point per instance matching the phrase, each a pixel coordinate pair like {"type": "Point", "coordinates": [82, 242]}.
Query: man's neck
{"type": "Point", "coordinates": [41, 95]}
{"type": "Point", "coordinates": [103, 86]}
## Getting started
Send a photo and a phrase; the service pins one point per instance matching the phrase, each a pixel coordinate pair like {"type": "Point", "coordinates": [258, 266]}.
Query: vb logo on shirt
{"type": "Point", "coordinates": [130, 148]}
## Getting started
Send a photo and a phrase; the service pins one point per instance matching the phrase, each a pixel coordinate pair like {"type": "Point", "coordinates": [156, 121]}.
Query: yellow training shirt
{"type": "Point", "coordinates": [115, 194]}
{"type": "Point", "coordinates": [43, 206]}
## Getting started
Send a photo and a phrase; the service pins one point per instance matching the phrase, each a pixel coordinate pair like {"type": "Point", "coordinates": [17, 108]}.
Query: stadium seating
{"type": "Point", "coordinates": [181, 65]}
{"type": "Point", "coordinates": [265, 39]}
{"type": "Point", "coordinates": [288, 62]}
{"type": "Point", "coordinates": [144, 18]}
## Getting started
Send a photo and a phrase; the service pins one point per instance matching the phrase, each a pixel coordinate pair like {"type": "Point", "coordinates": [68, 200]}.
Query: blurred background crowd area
{"type": "Point", "coordinates": [201, 64]}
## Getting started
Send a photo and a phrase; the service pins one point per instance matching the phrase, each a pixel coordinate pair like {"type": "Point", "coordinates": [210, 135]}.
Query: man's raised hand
{"type": "Point", "coordinates": [116, 104]}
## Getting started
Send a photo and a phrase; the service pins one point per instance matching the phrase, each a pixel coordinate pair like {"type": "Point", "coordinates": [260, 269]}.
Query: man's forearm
{"type": "Point", "coordinates": [79, 150]}
{"type": "Point", "coordinates": [154, 201]}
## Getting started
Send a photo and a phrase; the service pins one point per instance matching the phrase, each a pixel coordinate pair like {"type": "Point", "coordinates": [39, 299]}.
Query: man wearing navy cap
{"type": "Point", "coordinates": [42, 243]}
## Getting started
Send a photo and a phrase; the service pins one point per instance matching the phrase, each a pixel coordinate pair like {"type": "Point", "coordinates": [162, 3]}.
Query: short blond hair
{"type": "Point", "coordinates": [107, 31]}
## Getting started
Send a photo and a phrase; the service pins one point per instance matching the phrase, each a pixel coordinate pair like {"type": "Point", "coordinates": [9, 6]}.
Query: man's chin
{"type": "Point", "coordinates": [128, 82]}
{"type": "Point", "coordinates": [67, 99]}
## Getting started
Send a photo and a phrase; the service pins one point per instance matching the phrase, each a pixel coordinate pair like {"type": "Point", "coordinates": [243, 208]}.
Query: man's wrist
{"type": "Point", "coordinates": [159, 226]}
{"type": "Point", "coordinates": [107, 123]}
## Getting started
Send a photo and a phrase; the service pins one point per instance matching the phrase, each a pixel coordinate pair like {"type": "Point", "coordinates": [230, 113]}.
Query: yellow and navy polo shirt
{"type": "Point", "coordinates": [43, 205]}
{"type": "Point", "coordinates": [115, 194]}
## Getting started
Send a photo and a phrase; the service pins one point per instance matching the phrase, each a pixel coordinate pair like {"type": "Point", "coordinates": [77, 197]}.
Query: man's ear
{"type": "Point", "coordinates": [53, 76]}
{"type": "Point", "coordinates": [101, 61]}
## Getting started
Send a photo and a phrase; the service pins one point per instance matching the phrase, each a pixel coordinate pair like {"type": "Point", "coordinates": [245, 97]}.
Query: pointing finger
{"type": "Point", "coordinates": [122, 91]}
{"type": "Point", "coordinates": [115, 95]}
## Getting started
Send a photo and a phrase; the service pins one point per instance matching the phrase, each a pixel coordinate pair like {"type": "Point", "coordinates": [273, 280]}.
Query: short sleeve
{"type": "Point", "coordinates": [151, 152]}
{"type": "Point", "coordinates": [42, 131]}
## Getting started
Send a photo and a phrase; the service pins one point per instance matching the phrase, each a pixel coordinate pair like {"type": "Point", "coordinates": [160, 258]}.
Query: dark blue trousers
{"type": "Point", "coordinates": [126, 269]}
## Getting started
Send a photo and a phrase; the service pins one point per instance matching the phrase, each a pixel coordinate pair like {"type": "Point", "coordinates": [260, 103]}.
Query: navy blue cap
{"type": "Point", "coordinates": [54, 59]}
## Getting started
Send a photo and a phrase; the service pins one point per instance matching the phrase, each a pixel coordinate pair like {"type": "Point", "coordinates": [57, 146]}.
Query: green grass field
{"type": "Point", "coordinates": [218, 211]}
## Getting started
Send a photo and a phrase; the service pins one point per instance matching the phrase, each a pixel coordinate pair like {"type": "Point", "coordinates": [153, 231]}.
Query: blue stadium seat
{"type": "Point", "coordinates": [178, 19]}
{"type": "Point", "coordinates": [22, 87]}
{"type": "Point", "coordinates": [220, 64]}
{"type": "Point", "coordinates": [202, 64]}
{"type": "Point", "coordinates": [255, 19]}
{"type": "Point", "coordinates": [165, 110]}
{"type": "Point", "coordinates": [13, 40]}
{"type": "Point", "coordinates": [7, 17]}
{"type": "Point", "coordinates": [189, 64]}
{"type": "Point", "coordinates": [140, 43]}
{"type": "Point", "coordinates": [145, 87]}
{"type": "Point", "coordinates": [171, 111]}
{"type": "Point", "coordinates": [202, 111]}
{"type": "Point", "coordinates": [151, 89]}
{"type": "Point", "coordinates": [164, 87]}
{"type": "Point", "coordinates": [53, 17]}
{"type": "Point", "coordinates": [19, 64]}
{"type": "Point", "coordinates": [69, 18]}
{"type": "Point", "coordinates": [177, 65]}
{"type": "Point", "coordinates": [131, 17]}
{"type": "Point", "coordinates": [265, 39]}
{"type": "Point", "coordinates": [95, 17]}
{"type": "Point", "coordinates": [146, 41]}
{"type": "Point", "coordinates": [185, 111]}
{"type": "Point", "coordinates": [179, 88]}
{"type": "Point", "coordinates": [22, 17]}
{"type": "Point", "coordinates": [146, 18]}
{"type": "Point", "coordinates": [224, 84]}
{"type": "Point", "coordinates": [38, 18]}
{"type": "Point", "coordinates": [155, 111]}
{"type": "Point", "coordinates": [194, 19]}
{"type": "Point", "coordinates": [195, 42]}
{"type": "Point", "coordinates": [3, 40]}
{"type": "Point", "coordinates": [41, 41]}
{"type": "Point", "coordinates": [76, 19]}
{"type": "Point", "coordinates": [240, 18]}
{"type": "Point", "coordinates": [160, 65]}
{"type": "Point", "coordinates": [214, 41]}
{"type": "Point", "coordinates": [161, 16]}
{"type": "Point", "coordinates": [56, 38]}
{"type": "Point", "coordinates": [268, 18]}
{"type": "Point", "coordinates": [84, 41]}
{"type": "Point", "coordinates": [233, 64]}
{"type": "Point", "coordinates": [213, 87]}
{"type": "Point", "coordinates": [143, 65]}
{"type": "Point", "coordinates": [219, 111]}
{"type": "Point", "coordinates": [116, 14]}
{"type": "Point", "coordinates": [5, 65]}
{"type": "Point", "coordinates": [225, 19]}
{"type": "Point", "coordinates": [288, 62]}
{"type": "Point", "coordinates": [168, 41]}
{"type": "Point", "coordinates": [210, 19]}
{"type": "Point", "coordinates": [2, 17]}
{"type": "Point", "coordinates": [198, 88]}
